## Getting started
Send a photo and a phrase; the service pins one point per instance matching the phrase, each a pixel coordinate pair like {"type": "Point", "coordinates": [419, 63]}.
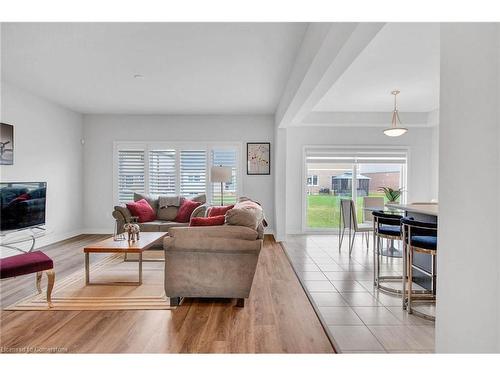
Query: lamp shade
{"type": "Point", "coordinates": [395, 132]}
{"type": "Point", "coordinates": [221, 174]}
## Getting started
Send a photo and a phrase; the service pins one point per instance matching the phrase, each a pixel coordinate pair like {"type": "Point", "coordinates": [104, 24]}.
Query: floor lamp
{"type": "Point", "coordinates": [223, 175]}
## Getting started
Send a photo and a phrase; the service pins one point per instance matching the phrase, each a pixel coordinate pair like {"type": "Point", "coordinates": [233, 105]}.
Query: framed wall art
{"type": "Point", "coordinates": [258, 158]}
{"type": "Point", "coordinates": [6, 144]}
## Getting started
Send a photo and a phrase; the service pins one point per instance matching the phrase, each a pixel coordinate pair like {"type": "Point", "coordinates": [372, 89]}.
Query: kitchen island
{"type": "Point", "coordinates": [427, 212]}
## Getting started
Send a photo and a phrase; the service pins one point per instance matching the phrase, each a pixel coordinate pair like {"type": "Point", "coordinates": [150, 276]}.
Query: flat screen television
{"type": "Point", "coordinates": [22, 205]}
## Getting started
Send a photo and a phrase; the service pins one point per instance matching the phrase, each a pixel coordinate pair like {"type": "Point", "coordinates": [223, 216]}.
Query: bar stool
{"type": "Point", "coordinates": [385, 226]}
{"type": "Point", "coordinates": [418, 237]}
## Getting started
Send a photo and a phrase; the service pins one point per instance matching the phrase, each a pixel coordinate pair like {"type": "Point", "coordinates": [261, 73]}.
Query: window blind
{"type": "Point", "coordinates": [226, 158]}
{"type": "Point", "coordinates": [170, 169]}
{"type": "Point", "coordinates": [350, 156]}
{"type": "Point", "coordinates": [130, 174]}
{"type": "Point", "coordinates": [162, 172]}
{"type": "Point", "coordinates": [193, 172]}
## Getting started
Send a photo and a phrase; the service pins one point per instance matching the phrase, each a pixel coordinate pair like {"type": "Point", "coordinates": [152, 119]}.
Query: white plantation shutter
{"type": "Point", "coordinates": [162, 172]}
{"type": "Point", "coordinates": [130, 174]}
{"type": "Point", "coordinates": [159, 168]}
{"type": "Point", "coordinates": [193, 172]}
{"type": "Point", "coordinates": [226, 158]}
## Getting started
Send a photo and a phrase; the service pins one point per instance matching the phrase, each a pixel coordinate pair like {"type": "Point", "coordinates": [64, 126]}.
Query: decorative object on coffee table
{"type": "Point", "coordinates": [133, 231]}
{"type": "Point", "coordinates": [118, 235]}
{"type": "Point", "coordinates": [259, 158]}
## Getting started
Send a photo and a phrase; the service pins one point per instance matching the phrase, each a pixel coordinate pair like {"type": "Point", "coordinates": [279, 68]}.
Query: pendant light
{"type": "Point", "coordinates": [394, 130]}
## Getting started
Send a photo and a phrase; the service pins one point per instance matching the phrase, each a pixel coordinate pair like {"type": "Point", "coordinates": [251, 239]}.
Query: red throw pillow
{"type": "Point", "coordinates": [218, 210]}
{"type": "Point", "coordinates": [185, 210]}
{"type": "Point", "coordinates": [207, 221]}
{"type": "Point", "coordinates": [142, 210]}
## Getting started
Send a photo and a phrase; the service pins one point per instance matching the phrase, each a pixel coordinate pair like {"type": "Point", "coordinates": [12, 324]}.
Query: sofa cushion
{"type": "Point", "coordinates": [166, 225]}
{"type": "Point", "coordinates": [167, 213]}
{"type": "Point", "coordinates": [245, 213]}
{"type": "Point", "coordinates": [165, 201]}
{"type": "Point", "coordinates": [222, 231]}
{"type": "Point", "coordinates": [246, 199]}
{"type": "Point", "coordinates": [142, 210]}
{"type": "Point", "coordinates": [152, 200]}
{"type": "Point", "coordinates": [244, 217]}
{"type": "Point", "coordinates": [24, 264]}
{"type": "Point", "coordinates": [185, 210]}
{"type": "Point", "coordinates": [218, 210]}
{"type": "Point", "coordinates": [160, 226]}
{"type": "Point", "coordinates": [202, 198]}
{"type": "Point", "coordinates": [207, 221]}
{"type": "Point", "coordinates": [150, 226]}
{"type": "Point", "coordinates": [168, 207]}
{"type": "Point", "coordinates": [211, 245]}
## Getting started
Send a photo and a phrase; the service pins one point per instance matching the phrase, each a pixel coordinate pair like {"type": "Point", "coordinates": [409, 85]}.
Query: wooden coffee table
{"type": "Point", "coordinates": [146, 241]}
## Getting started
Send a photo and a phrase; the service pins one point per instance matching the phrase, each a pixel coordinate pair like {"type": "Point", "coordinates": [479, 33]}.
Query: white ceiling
{"type": "Point", "coordinates": [188, 68]}
{"type": "Point", "coordinates": [402, 56]}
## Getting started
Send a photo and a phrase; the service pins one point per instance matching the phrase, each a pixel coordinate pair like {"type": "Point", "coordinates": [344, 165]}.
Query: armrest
{"type": "Point", "coordinates": [217, 231]}
{"type": "Point", "coordinates": [122, 213]}
{"type": "Point", "coordinates": [214, 245]}
{"type": "Point", "coordinates": [200, 211]}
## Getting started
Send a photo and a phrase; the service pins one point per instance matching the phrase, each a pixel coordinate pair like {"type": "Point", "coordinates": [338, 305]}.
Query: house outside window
{"type": "Point", "coordinates": [312, 180]}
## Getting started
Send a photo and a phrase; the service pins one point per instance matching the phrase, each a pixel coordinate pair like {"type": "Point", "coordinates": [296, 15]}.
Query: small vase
{"type": "Point", "coordinates": [116, 235]}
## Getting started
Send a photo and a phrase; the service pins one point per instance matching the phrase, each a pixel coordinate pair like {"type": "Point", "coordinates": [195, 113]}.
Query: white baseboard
{"type": "Point", "coordinates": [293, 232]}
{"type": "Point", "coordinates": [97, 231]}
{"type": "Point", "coordinates": [269, 231]}
{"type": "Point", "coordinates": [56, 237]}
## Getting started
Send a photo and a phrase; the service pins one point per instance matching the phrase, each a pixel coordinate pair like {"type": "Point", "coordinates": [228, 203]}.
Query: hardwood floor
{"type": "Point", "coordinates": [277, 318]}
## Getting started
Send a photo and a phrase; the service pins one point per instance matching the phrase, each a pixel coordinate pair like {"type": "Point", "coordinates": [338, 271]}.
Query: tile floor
{"type": "Point", "coordinates": [359, 318]}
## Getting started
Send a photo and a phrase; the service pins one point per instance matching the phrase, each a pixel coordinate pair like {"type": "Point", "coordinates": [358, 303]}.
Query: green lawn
{"type": "Point", "coordinates": [323, 210]}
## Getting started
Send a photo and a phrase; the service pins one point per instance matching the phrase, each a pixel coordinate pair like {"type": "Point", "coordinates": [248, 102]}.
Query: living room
{"type": "Point", "coordinates": [249, 187]}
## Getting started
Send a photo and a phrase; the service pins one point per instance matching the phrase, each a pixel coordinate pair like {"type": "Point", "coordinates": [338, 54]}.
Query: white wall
{"type": "Point", "coordinates": [101, 130]}
{"type": "Point", "coordinates": [420, 164]}
{"type": "Point", "coordinates": [280, 183]}
{"type": "Point", "coordinates": [468, 290]}
{"type": "Point", "coordinates": [435, 162]}
{"type": "Point", "coordinates": [47, 147]}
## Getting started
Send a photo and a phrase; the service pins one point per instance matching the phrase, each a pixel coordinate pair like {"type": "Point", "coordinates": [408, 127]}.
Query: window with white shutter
{"type": "Point", "coordinates": [162, 172]}
{"type": "Point", "coordinates": [193, 172]}
{"type": "Point", "coordinates": [226, 158]}
{"type": "Point", "coordinates": [169, 168]}
{"type": "Point", "coordinates": [130, 174]}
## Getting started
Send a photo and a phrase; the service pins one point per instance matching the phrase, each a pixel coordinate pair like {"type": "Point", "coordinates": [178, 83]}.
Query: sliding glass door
{"type": "Point", "coordinates": [332, 175]}
{"type": "Point", "coordinates": [325, 187]}
{"type": "Point", "coordinates": [374, 177]}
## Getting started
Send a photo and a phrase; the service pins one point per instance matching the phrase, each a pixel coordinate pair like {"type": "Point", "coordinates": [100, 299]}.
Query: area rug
{"type": "Point", "coordinates": [71, 293]}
